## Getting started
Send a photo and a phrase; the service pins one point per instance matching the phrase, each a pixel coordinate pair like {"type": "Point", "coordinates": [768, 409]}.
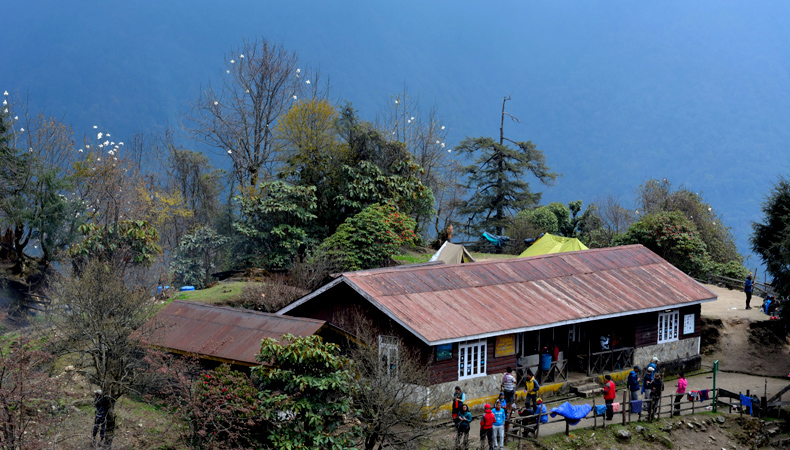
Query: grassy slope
{"type": "Point", "coordinates": [218, 293]}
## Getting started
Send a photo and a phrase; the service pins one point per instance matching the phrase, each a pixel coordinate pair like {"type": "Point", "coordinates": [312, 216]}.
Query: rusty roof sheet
{"type": "Point", "coordinates": [449, 303]}
{"type": "Point", "coordinates": [222, 333]}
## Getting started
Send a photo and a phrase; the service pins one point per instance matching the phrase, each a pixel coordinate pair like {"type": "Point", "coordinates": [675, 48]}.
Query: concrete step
{"type": "Point", "coordinates": [587, 390]}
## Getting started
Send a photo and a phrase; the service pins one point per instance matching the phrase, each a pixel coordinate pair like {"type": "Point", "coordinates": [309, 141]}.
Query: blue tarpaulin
{"type": "Point", "coordinates": [573, 414]}
{"type": "Point", "coordinates": [498, 241]}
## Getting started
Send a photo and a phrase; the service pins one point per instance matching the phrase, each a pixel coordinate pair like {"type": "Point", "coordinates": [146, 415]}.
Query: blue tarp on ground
{"type": "Point", "coordinates": [573, 414]}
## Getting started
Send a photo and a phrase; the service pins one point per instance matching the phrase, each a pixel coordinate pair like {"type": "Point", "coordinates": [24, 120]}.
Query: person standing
{"type": "Point", "coordinates": [509, 386]}
{"type": "Point", "coordinates": [647, 382]}
{"type": "Point", "coordinates": [633, 383]}
{"type": "Point", "coordinates": [458, 401]}
{"type": "Point", "coordinates": [681, 390]}
{"type": "Point", "coordinates": [486, 428]}
{"type": "Point", "coordinates": [499, 426]}
{"type": "Point", "coordinates": [747, 288]}
{"type": "Point", "coordinates": [531, 388]}
{"type": "Point", "coordinates": [459, 394]}
{"type": "Point", "coordinates": [101, 403]}
{"type": "Point", "coordinates": [609, 395]}
{"type": "Point", "coordinates": [655, 394]}
{"type": "Point", "coordinates": [464, 419]}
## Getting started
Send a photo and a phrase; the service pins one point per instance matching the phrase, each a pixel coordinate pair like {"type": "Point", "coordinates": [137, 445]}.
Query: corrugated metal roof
{"type": "Point", "coordinates": [456, 302]}
{"type": "Point", "coordinates": [222, 333]}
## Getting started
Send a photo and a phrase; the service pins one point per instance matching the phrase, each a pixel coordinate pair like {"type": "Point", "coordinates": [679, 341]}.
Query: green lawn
{"type": "Point", "coordinates": [219, 293]}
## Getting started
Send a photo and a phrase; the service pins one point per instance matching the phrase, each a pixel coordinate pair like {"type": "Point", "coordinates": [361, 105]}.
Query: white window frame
{"type": "Point", "coordinates": [668, 326]}
{"type": "Point", "coordinates": [388, 356]}
{"type": "Point", "coordinates": [688, 324]}
{"type": "Point", "coordinates": [472, 359]}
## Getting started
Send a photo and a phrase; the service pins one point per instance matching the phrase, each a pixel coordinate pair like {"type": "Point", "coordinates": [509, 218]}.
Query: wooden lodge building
{"type": "Point", "coordinates": [471, 321]}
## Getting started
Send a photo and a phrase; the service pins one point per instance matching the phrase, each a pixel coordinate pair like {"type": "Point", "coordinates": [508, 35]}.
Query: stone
{"type": "Point", "coordinates": [623, 435]}
{"type": "Point", "coordinates": [666, 441]}
{"type": "Point", "coordinates": [712, 438]}
{"type": "Point", "coordinates": [639, 429]}
{"type": "Point", "coordinates": [691, 425]}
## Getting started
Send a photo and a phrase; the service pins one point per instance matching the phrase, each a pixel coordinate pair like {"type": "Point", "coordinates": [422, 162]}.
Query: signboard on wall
{"type": "Point", "coordinates": [688, 324]}
{"type": "Point", "coordinates": [505, 345]}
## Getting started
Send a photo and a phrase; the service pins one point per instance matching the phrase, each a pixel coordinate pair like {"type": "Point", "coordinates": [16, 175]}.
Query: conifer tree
{"type": "Point", "coordinates": [496, 178]}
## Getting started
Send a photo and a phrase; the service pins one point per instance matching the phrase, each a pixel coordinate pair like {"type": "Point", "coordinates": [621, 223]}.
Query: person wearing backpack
{"type": "Point", "coordinates": [464, 419]}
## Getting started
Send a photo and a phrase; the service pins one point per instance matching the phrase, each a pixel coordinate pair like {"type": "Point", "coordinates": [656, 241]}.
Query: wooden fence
{"type": "Point", "coordinates": [523, 427]}
{"type": "Point", "coordinates": [758, 289]}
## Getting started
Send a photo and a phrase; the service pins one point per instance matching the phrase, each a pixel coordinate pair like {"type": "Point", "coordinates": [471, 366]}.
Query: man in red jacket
{"type": "Point", "coordinates": [608, 396]}
{"type": "Point", "coordinates": [487, 428]}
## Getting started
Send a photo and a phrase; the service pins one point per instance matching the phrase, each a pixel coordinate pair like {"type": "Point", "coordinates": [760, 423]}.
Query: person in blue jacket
{"type": "Point", "coordinates": [544, 414]}
{"type": "Point", "coordinates": [499, 426]}
{"type": "Point", "coordinates": [633, 383]}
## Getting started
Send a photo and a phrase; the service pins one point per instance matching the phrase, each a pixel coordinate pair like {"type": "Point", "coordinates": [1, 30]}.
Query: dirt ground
{"type": "Point", "coordinates": [736, 352]}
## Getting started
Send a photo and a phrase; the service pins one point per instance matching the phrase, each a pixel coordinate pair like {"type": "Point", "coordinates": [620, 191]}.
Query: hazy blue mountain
{"type": "Point", "coordinates": [614, 92]}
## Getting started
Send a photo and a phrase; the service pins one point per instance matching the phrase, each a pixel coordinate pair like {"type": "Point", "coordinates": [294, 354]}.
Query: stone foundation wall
{"type": "Point", "coordinates": [669, 353]}
{"type": "Point", "coordinates": [478, 390]}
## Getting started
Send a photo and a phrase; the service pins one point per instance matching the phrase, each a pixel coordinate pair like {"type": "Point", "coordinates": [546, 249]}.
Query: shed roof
{"type": "Point", "coordinates": [222, 333]}
{"type": "Point", "coordinates": [449, 303]}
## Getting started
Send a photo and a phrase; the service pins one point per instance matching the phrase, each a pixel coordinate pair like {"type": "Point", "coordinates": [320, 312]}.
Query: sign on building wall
{"type": "Point", "coordinates": [688, 324]}
{"type": "Point", "coordinates": [505, 345]}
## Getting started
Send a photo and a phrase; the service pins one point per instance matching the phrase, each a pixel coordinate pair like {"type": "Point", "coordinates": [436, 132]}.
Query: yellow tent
{"type": "Point", "coordinates": [549, 243]}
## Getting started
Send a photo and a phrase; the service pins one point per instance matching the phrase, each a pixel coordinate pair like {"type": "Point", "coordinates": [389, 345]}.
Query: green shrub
{"type": "Point", "coordinates": [368, 239]}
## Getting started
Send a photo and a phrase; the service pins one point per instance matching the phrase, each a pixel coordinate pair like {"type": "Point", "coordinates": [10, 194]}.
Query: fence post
{"type": "Point", "coordinates": [741, 408]}
{"type": "Point", "coordinates": [537, 425]}
{"type": "Point", "coordinates": [567, 427]}
{"type": "Point", "coordinates": [692, 405]}
{"type": "Point", "coordinates": [622, 406]}
{"type": "Point", "coordinates": [715, 371]}
{"type": "Point", "coordinates": [595, 416]}
{"type": "Point", "coordinates": [658, 407]}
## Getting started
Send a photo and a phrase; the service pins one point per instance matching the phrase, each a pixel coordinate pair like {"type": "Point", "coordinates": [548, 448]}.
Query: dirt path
{"type": "Point", "coordinates": [736, 352]}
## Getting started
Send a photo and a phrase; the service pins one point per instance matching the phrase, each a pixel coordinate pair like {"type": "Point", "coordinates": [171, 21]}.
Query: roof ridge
{"type": "Point", "coordinates": [245, 310]}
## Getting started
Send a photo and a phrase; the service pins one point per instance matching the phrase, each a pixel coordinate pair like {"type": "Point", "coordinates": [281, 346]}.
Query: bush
{"type": "Point", "coordinates": [674, 238]}
{"type": "Point", "coordinates": [732, 269]}
{"type": "Point", "coordinates": [368, 239]}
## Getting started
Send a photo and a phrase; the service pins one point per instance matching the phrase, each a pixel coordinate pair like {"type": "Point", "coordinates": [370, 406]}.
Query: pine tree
{"type": "Point", "coordinates": [497, 178]}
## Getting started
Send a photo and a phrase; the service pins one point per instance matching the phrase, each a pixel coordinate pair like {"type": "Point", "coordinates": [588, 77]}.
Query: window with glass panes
{"type": "Point", "coordinates": [471, 359]}
{"type": "Point", "coordinates": [668, 326]}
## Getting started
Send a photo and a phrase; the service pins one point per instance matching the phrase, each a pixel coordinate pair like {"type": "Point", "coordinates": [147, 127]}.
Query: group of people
{"type": "Point", "coordinates": [652, 386]}
{"type": "Point", "coordinates": [493, 423]}
{"type": "Point", "coordinates": [771, 305]}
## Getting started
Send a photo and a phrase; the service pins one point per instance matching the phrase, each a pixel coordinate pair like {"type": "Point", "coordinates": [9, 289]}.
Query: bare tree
{"type": "Point", "coordinates": [424, 135]}
{"type": "Point", "coordinates": [390, 388]}
{"type": "Point", "coordinates": [28, 396]}
{"type": "Point", "coordinates": [95, 319]}
{"type": "Point", "coordinates": [260, 82]}
{"type": "Point", "coordinates": [615, 218]}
